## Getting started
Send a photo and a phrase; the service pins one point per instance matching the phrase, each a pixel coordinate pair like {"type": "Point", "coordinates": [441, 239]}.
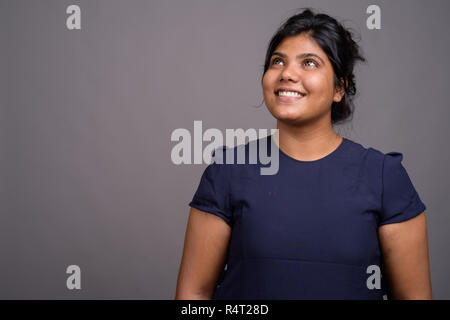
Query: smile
{"type": "Point", "coordinates": [288, 96]}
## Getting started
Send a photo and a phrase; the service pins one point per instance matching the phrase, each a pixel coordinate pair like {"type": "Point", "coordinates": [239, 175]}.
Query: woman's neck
{"type": "Point", "coordinates": [307, 142]}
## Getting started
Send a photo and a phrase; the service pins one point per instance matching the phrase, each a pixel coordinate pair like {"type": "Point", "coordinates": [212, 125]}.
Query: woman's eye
{"type": "Point", "coordinates": [308, 62]}
{"type": "Point", "coordinates": [275, 60]}
{"type": "Point", "coordinates": [312, 61]}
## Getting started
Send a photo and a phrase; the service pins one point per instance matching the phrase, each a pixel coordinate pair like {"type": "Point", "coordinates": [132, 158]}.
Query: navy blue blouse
{"type": "Point", "coordinates": [309, 231]}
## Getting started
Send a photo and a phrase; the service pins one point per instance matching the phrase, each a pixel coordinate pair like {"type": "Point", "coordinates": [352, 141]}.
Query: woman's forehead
{"type": "Point", "coordinates": [295, 45]}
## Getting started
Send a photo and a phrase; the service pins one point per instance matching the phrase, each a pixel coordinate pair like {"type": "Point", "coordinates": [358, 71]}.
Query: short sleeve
{"type": "Point", "coordinates": [400, 200]}
{"type": "Point", "coordinates": [212, 194]}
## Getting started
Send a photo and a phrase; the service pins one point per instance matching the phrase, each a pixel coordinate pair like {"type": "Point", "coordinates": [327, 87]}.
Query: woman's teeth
{"type": "Point", "coordinates": [289, 94]}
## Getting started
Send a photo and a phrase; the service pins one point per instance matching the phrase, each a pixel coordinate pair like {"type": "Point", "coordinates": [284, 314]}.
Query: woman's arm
{"type": "Point", "coordinates": [204, 254]}
{"type": "Point", "coordinates": [404, 247]}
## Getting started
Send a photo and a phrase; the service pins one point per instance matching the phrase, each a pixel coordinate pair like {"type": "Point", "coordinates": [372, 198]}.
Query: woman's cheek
{"type": "Point", "coordinates": [322, 91]}
{"type": "Point", "coordinates": [266, 85]}
{"type": "Point", "coordinates": [315, 83]}
{"type": "Point", "coordinates": [269, 79]}
{"type": "Point", "coordinates": [268, 88]}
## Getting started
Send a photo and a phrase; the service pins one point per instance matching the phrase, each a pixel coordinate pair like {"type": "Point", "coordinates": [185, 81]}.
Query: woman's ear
{"type": "Point", "coordinates": [340, 90]}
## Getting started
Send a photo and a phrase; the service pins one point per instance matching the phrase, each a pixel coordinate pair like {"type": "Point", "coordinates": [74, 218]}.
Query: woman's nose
{"type": "Point", "coordinates": [289, 73]}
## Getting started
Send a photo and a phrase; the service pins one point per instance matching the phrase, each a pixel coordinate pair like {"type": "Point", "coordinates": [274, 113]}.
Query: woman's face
{"type": "Point", "coordinates": [299, 64]}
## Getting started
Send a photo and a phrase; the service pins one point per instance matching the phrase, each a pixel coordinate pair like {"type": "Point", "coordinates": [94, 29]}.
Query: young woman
{"type": "Point", "coordinates": [337, 221]}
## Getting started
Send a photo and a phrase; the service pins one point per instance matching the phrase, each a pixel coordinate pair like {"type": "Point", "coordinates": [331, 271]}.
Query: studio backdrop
{"type": "Point", "coordinates": [93, 203]}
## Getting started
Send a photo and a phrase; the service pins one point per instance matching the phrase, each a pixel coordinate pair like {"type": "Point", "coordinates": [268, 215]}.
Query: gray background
{"type": "Point", "coordinates": [86, 118]}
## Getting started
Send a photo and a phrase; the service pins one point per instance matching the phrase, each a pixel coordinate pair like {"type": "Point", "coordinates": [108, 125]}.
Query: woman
{"type": "Point", "coordinates": [338, 221]}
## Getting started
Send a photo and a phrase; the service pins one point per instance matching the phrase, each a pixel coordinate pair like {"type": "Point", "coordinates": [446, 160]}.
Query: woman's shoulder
{"type": "Point", "coordinates": [363, 150]}
{"type": "Point", "coordinates": [372, 157]}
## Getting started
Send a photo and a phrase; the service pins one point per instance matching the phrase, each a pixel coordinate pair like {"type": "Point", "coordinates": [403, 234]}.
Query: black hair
{"type": "Point", "coordinates": [336, 41]}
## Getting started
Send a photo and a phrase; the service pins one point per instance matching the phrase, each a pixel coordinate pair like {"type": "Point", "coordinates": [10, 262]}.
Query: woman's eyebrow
{"type": "Point", "coordinates": [300, 56]}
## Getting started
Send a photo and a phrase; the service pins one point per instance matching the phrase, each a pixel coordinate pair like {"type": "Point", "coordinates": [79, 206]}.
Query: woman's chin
{"type": "Point", "coordinates": [284, 115]}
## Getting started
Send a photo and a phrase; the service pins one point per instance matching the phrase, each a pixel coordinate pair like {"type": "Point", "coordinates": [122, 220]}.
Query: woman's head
{"type": "Point", "coordinates": [314, 55]}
